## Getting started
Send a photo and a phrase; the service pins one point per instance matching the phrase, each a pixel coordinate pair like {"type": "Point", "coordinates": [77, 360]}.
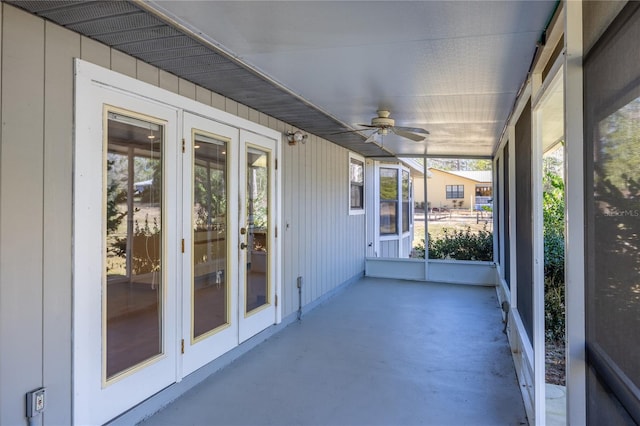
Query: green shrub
{"type": "Point", "coordinates": [554, 310]}
{"type": "Point", "coordinates": [459, 245]}
{"type": "Point", "coordinates": [553, 219]}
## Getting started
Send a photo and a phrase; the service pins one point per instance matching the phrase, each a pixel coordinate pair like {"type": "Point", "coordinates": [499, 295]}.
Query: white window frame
{"type": "Point", "coordinates": [399, 234]}
{"type": "Point", "coordinates": [357, 211]}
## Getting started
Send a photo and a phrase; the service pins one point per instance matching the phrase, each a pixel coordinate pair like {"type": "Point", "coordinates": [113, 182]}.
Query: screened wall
{"type": "Point", "coordinates": [612, 197]}
{"type": "Point", "coordinates": [524, 222]}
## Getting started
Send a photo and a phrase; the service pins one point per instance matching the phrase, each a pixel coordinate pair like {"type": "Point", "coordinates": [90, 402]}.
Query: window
{"type": "Point", "coordinates": [406, 216]}
{"type": "Point", "coordinates": [483, 191]}
{"type": "Point", "coordinates": [455, 191]}
{"type": "Point", "coordinates": [388, 201]}
{"type": "Point", "coordinates": [356, 184]}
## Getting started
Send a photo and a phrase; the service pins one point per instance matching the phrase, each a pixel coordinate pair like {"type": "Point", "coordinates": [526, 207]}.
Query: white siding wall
{"type": "Point", "coordinates": [322, 243]}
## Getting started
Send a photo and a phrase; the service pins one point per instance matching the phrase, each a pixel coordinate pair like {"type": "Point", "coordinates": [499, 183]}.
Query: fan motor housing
{"type": "Point", "coordinates": [383, 122]}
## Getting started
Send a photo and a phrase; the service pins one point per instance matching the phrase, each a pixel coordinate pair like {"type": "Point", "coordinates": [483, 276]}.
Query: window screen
{"type": "Point", "coordinates": [523, 241]}
{"type": "Point", "coordinates": [612, 216]}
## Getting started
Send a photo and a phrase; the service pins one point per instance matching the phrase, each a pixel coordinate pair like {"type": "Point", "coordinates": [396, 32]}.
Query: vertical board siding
{"type": "Point", "coordinates": [288, 295]}
{"type": "Point", "coordinates": [61, 47]}
{"type": "Point", "coordinates": [323, 243]}
{"type": "Point", "coordinates": [186, 88]}
{"type": "Point", "coordinates": [169, 82]}
{"type": "Point", "coordinates": [218, 101]}
{"type": "Point", "coordinates": [147, 73]}
{"type": "Point", "coordinates": [21, 211]}
{"type": "Point", "coordinates": [203, 95]}
{"type": "Point", "coordinates": [95, 52]}
{"type": "Point", "coordinates": [123, 63]}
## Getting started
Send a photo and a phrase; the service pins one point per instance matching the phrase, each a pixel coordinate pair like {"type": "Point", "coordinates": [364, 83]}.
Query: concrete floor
{"type": "Point", "coordinates": [382, 352]}
{"type": "Point", "coordinates": [556, 405]}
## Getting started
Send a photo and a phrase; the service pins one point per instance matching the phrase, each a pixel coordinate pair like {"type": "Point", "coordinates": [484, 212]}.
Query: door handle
{"type": "Point", "coordinates": [243, 246]}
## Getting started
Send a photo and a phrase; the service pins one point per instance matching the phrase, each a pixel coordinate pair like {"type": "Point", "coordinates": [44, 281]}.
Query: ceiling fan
{"type": "Point", "coordinates": [384, 124]}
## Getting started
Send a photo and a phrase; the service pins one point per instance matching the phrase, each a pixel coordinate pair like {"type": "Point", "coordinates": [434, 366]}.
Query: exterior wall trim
{"type": "Point", "coordinates": [575, 233]}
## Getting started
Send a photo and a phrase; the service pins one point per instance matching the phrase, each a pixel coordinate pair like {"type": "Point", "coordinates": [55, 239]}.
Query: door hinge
{"type": "Point", "coordinates": [276, 232]}
{"type": "Point", "coordinates": [183, 145]}
{"type": "Point", "coordinates": [276, 301]}
{"type": "Point", "coordinates": [183, 245]}
{"type": "Point", "coordinates": [182, 346]}
{"type": "Point", "coordinates": [276, 164]}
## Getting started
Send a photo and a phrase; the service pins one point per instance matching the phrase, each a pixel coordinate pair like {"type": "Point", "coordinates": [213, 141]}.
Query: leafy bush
{"type": "Point", "coordinates": [554, 311]}
{"type": "Point", "coordinates": [553, 218]}
{"type": "Point", "coordinates": [459, 245]}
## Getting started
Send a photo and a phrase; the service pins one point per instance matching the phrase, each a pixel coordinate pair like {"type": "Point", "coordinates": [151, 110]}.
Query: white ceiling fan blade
{"type": "Point", "coordinates": [372, 138]}
{"type": "Point", "coordinates": [412, 129]}
{"type": "Point", "coordinates": [413, 137]}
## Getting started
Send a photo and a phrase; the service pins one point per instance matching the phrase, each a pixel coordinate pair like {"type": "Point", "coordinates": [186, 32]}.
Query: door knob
{"type": "Point", "coordinates": [243, 246]}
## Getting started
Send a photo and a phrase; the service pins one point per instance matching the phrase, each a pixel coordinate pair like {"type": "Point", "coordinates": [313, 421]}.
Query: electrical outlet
{"type": "Point", "coordinates": [35, 402]}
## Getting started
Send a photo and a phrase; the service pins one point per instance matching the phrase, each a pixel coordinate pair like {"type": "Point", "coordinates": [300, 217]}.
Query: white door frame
{"type": "Point", "coordinates": [94, 84]}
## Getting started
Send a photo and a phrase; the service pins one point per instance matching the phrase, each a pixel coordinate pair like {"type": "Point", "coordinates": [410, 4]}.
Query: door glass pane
{"type": "Point", "coordinates": [209, 222]}
{"type": "Point", "coordinates": [257, 203]}
{"type": "Point", "coordinates": [133, 242]}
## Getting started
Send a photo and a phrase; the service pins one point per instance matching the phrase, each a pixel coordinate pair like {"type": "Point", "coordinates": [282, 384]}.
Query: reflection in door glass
{"type": "Point", "coordinates": [257, 202]}
{"type": "Point", "coordinates": [209, 221]}
{"type": "Point", "coordinates": [133, 242]}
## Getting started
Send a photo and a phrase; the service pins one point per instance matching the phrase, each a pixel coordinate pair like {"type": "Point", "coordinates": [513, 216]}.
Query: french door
{"type": "Point", "coordinates": [228, 265]}
{"type": "Point", "coordinates": [210, 223]}
{"type": "Point", "coordinates": [257, 300]}
{"type": "Point", "coordinates": [125, 316]}
{"type": "Point", "coordinates": [174, 260]}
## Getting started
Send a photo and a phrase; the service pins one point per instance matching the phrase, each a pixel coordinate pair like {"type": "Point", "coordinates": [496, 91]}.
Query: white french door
{"type": "Point", "coordinates": [125, 221]}
{"type": "Point", "coordinates": [210, 223]}
{"type": "Point", "coordinates": [228, 279]}
{"type": "Point", "coordinates": [257, 272]}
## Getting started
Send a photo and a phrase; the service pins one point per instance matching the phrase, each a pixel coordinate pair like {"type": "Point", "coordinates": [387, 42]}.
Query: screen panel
{"type": "Point", "coordinates": [524, 221]}
{"type": "Point", "coordinates": [612, 217]}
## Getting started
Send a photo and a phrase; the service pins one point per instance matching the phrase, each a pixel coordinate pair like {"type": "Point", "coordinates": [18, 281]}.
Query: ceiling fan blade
{"type": "Point", "coordinates": [347, 131]}
{"type": "Point", "coordinates": [404, 134]}
{"type": "Point", "coordinates": [372, 138]}
{"type": "Point", "coordinates": [412, 129]}
{"type": "Point", "coordinates": [367, 127]}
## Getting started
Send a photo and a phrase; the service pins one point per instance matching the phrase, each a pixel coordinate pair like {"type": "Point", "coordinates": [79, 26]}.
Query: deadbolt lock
{"type": "Point", "coordinates": [243, 231]}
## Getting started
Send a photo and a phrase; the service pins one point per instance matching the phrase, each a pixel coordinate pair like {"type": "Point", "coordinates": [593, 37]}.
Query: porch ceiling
{"type": "Point", "coordinates": [452, 67]}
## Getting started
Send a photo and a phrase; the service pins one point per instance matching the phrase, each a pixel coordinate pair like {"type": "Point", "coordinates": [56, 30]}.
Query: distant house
{"type": "Point", "coordinates": [456, 189]}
